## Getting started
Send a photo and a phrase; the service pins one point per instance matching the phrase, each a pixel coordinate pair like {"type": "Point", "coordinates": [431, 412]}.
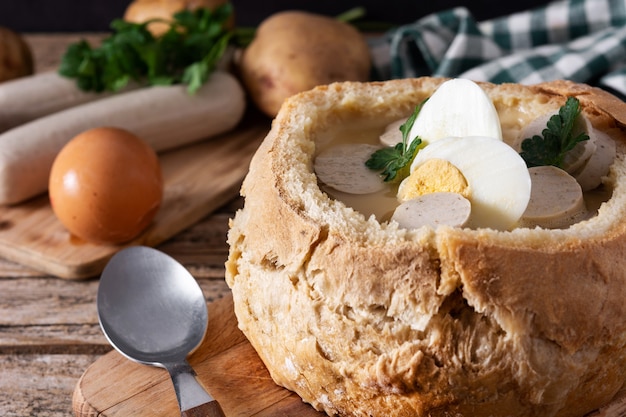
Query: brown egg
{"type": "Point", "coordinates": [106, 185]}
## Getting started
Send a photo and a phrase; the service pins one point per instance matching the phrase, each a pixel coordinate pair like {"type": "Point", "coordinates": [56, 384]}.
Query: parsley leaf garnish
{"type": "Point", "coordinates": [558, 138]}
{"type": "Point", "coordinates": [186, 53]}
{"type": "Point", "coordinates": [396, 160]}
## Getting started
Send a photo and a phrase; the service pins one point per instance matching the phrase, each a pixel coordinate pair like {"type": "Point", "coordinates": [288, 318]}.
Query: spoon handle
{"type": "Point", "coordinates": [210, 409]}
{"type": "Point", "coordinates": [193, 399]}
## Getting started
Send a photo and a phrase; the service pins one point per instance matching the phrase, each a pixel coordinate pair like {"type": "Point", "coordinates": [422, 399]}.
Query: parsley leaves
{"type": "Point", "coordinates": [559, 137]}
{"type": "Point", "coordinates": [395, 161]}
{"type": "Point", "coordinates": [186, 53]}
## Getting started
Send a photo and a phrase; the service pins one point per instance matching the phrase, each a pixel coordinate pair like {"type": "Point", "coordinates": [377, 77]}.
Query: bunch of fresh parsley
{"type": "Point", "coordinates": [186, 53]}
{"type": "Point", "coordinates": [559, 137]}
{"type": "Point", "coordinates": [394, 162]}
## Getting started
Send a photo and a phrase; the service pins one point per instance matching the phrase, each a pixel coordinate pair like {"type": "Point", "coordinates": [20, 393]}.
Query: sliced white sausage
{"type": "Point", "coordinates": [165, 117]}
{"type": "Point", "coordinates": [342, 167]}
{"type": "Point", "coordinates": [29, 98]}
{"type": "Point", "coordinates": [392, 135]}
{"type": "Point", "coordinates": [579, 155]}
{"type": "Point", "coordinates": [534, 128]}
{"type": "Point", "coordinates": [556, 199]}
{"type": "Point", "coordinates": [590, 175]}
{"type": "Point", "coordinates": [575, 158]}
{"type": "Point", "coordinates": [433, 210]}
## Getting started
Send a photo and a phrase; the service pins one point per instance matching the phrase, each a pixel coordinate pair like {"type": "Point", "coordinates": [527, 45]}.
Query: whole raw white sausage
{"type": "Point", "coordinates": [165, 117]}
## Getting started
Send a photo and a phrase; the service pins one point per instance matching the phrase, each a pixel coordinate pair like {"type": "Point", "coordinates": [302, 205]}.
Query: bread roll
{"type": "Point", "coordinates": [363, 318]}
{"type": "Point", "coordinates": [140, 11]}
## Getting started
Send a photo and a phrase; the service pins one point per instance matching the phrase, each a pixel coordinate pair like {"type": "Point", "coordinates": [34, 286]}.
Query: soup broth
{"type": "Point", "coordinates": [383, 203]}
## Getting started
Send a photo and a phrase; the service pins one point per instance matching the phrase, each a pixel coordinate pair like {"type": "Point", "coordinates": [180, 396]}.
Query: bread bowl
{"type": "Point", "coordinates": [361, 317]}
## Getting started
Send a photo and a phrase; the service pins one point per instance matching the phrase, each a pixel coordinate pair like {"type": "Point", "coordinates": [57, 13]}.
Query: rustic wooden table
{"type": "Point", "coordinates": [49, 331]}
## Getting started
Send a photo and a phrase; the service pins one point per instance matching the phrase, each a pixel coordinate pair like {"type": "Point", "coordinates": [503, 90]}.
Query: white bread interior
{"type": "Point", "coordinates": [363, 318]}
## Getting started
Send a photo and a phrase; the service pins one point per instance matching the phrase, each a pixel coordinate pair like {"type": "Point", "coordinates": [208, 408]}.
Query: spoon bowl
{"type": "Point", "coordinates": [152, 310]}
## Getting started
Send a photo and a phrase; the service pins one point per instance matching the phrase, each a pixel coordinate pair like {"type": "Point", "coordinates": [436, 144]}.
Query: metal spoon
{"type": "Point", "coordinates": [152, 311]}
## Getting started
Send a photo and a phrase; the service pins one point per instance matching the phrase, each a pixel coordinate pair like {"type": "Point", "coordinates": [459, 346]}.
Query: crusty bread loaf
{"type": "Point", "coordinates": [363, 318]}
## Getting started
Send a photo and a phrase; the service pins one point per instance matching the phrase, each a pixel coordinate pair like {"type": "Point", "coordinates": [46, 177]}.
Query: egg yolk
{"type": "Point", "coordinates": [106, 185]}
{"type": "Point", "coordinates": [434, 175]}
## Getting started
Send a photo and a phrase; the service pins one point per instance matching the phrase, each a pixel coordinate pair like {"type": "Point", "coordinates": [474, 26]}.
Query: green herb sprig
{"type": "Point", "coordinates": [186, 53]}
{"type": "Point", "coordinates": [394, 161]}
{"type": "Point", "coordinates": [559, 137]}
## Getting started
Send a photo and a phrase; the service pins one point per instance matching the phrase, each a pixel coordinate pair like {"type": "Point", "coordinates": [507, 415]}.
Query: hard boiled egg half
{"type": "Point", "coordinates": [498, 182]}
{"type": "Point", "coordinates": [460, 126]}
{"type": "Point", "coordinates": [459, 107]}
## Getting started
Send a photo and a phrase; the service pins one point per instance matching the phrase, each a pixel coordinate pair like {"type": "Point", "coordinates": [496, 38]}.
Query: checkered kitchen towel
{"type": "Point", "coordinates": [579, 40]}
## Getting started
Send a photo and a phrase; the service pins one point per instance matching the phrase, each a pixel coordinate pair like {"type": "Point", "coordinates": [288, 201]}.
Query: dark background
{"type": "Point", "coordinates": [95, 15]}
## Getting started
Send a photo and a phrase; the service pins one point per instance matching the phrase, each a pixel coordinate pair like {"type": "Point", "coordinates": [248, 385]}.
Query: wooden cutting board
{"type": "Point", "coordinates": [226, 364]}
{"type": "Point", "coordinates": [198, 179]}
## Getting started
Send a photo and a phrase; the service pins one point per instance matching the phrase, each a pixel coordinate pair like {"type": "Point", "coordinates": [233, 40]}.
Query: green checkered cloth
{"type": "Point", "coordinates": [578, 40]}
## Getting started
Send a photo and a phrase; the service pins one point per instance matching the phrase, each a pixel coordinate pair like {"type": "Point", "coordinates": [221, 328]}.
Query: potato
{"type": "Point", "coordinates": [16, 58]}
{"type": "Point", "coordinates": [294, 51]}
{"type": "Point", "coordinates": [139, 11]}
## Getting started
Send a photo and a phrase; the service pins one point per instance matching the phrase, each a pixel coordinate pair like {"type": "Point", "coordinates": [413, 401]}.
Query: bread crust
{"type": "Point", "coordinates": [363, 318]}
